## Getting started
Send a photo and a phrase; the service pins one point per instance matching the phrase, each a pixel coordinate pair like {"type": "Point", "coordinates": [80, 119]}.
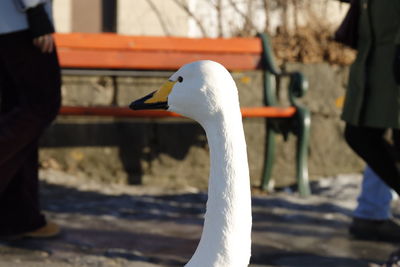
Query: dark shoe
{"type": "Point", "coordinates": [394, 259]}
{"type": "Point", "coordinates": [377, 230]}
{"type": "Point", "coordinates": [51, 229]}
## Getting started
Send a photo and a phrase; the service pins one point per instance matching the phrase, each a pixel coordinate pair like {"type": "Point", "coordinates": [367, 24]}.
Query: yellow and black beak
{"type": "Point", "coordinates": [155, 100]}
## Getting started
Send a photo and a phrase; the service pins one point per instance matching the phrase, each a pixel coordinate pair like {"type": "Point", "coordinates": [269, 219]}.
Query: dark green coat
{"type": "Point", "coordinates": [373, 97]}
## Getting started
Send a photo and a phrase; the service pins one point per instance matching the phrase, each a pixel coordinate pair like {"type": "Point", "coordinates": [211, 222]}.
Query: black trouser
{"type": "Point", "coordinates": [382, 156]}
{"type": "Point", "coordinates": [30, 98]}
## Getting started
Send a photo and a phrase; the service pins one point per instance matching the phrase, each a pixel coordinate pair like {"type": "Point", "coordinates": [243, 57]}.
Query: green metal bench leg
{"type": "Point", "coordinates": [268, 158]}
{"type": "Point", "coordinates": [304, 121]}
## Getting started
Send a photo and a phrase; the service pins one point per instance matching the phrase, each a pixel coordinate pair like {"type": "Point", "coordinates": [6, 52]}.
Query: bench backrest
{"type": "Point", "coordinates": [112, 51]}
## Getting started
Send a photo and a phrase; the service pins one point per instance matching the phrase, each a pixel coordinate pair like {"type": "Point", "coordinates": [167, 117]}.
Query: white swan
{"type": "Point", "coordinates": [206, 92]}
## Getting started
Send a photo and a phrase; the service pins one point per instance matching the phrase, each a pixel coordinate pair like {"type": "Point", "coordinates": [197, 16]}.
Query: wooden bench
{"type": "Point", "coordinates": [115, 54]}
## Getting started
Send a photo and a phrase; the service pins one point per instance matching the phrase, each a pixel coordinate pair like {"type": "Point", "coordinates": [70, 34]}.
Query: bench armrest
{"type": "Point", "coordinates": [298, 85]}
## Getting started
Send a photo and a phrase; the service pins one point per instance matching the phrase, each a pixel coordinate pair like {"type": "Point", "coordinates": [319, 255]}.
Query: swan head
{"type": "Point", "coordinates": [199, 90]}
{"type": "Point", "coordinates": [205, 91]}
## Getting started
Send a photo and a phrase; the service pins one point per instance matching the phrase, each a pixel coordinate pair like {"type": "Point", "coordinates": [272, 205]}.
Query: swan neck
{"type": "Point", "coordinates": [226, 233]}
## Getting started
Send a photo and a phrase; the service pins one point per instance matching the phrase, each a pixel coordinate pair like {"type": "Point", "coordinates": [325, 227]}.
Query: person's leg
{"type": "Point", "coordinates": [33, 81]}
{"type": "Point", "coordinates": [19, 203]}
{"type": "Point", "coordinates": [370, 144]}
{"type": "Point", "coordinates": [374, 199]}
{"type": "Point", "coordinates": [8, 102]}
{"type": "Point", "coordinates": [372, 218]}
{"type": "Point", "coordinates": [30, 89]}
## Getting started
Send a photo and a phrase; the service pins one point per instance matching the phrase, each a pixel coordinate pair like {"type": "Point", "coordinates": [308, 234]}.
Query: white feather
{"type": "Point", "coordinates": [209, 95]}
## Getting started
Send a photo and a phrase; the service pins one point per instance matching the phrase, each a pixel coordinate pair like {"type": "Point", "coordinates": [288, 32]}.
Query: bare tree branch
{"type": "Point", "coordinates": [267, 10]}
{"type": "Point", "coordinates": [185, 8]}
{"type": "Point", "coordinates": [285, 15]}
{"type": "Point", "coordinates": [246, 16]}
{"type": "Point", "coordinates": [160, 17]}
{"type": "Point", "coordinates": [218, 8]}
{"type": "Point", "coordinates": [295, 4]}
{"type": "Point", "coordinates": [292, 14]}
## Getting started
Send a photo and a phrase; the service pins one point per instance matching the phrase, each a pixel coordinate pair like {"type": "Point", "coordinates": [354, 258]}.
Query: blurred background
{"type": "Point", "coordinates": [137, 152]}
{"type": "Point", "coordinates": [195, 18]}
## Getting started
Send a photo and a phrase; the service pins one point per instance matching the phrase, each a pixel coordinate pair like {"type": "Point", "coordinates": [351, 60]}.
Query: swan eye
{"type": "Point", "coordinates": [180, 79]}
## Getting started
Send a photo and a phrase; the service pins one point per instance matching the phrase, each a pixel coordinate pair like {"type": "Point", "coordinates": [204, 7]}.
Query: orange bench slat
{"type": "Point", "coordinates": [94, 59]}
{"type": "Point", "coordinates": [110, 41]}
{"type": "Point", "coordinates": [113, 51]}
{"type": "Point", "coordinates": [249, 112]}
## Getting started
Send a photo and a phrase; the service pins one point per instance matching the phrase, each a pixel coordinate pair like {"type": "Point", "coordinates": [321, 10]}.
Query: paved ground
{"type": "Point", "coordinates": [146, 227]}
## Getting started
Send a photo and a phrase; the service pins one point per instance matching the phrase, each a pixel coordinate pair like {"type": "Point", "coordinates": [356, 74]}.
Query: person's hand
{"type": "Point", "coordinates": [45, 43]}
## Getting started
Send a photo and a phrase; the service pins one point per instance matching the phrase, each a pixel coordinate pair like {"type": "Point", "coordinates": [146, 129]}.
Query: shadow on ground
{"type": "Point", "coordinates": [163, 230]}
